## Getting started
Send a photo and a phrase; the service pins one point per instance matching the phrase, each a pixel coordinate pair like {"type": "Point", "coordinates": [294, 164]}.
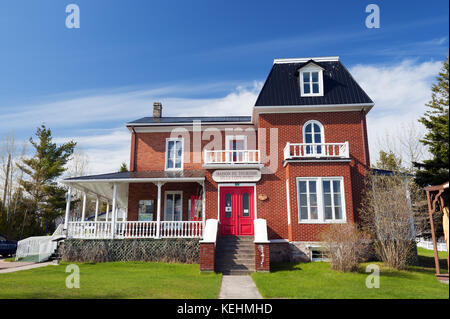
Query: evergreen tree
{"type": "Point", "coordinates": [123, 167]}
{"type": "Point", "coordinates": [43, 169]}
{"type": "Point", "coordinates": [389, 161]}
{"type": "Point", "coordinates": [436, 120]}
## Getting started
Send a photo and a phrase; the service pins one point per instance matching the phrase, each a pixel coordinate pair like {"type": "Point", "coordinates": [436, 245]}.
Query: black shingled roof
{"type": "Point", "coordinates": [187, 119]}
{"type": "Point", "coordinates": [282, 86]}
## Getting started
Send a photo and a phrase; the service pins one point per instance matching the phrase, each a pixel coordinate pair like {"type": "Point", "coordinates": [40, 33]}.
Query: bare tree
{"type": "Point", "coordinates": [386, 215]}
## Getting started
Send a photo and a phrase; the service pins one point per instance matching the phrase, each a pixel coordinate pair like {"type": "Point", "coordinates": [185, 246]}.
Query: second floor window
{"type": "Point", "coordinates": [313, 134]}
{"type": "Point", "coordinates": [174, 154]}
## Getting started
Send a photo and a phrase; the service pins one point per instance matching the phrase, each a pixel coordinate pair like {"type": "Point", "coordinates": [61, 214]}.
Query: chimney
{"type": "Point", "coordinates": [157, 110]}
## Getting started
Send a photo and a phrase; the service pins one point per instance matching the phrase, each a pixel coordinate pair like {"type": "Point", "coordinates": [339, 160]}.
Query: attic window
{"type": "Point", "coordinates": [311, 80]}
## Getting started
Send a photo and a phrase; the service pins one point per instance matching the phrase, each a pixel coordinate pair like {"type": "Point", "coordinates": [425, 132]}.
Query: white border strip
{"type": "Point", "coordinates": [303, 60]}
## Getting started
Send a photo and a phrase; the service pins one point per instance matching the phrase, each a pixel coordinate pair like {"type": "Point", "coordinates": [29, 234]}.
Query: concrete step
{"type": "Point", "coordinates": [236, 272]}
{"type": "Point", "coordinates": [235, 239]}
{"type": "Point", "coordinates": [239, 250]}
{"type": "Point", "coordinates": [235, 267]}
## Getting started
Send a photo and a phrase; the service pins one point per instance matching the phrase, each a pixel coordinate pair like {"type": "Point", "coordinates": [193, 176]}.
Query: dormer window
{"type": "Point", "coordinates": [311, 80]}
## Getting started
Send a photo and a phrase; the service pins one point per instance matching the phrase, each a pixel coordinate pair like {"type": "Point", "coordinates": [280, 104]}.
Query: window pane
{"type": "Point", "coordinates": [327, 199]}
{"type": "Point", "coordinates": [228, 205]}
{"type": "Point", "coordinates": [337, 186]}
{"type": "Point", "coordinates": [315, 88]}
{"type": "Point", "coordinates": [169, 208]}
{"type": "Point", "coordinates": [179, 154]}
{"type": "Point", "coordinates": [315, 76]}
{"type": "Point", "coordinates": [328, 213]}
{"type": "Point", "coordinates": [302, 187]}
{"type": "Point", "coordinates": [337, 200]}
{"type": "Point", "coordinates": [245, 206]}
{"type": "Point", "coordinates": [306, 88]}
{"type": "Point", "coordinates": [338, 212]}
{"type": "Point", "coordinates": [317, 138]}
{"type": "Point", "coordinates": [308, 138]}
{"type": "Point", "coordinates": [169, 152]}
{"type": "Point", "coordinates": [303, 200]}
{"type": "Point", "coordinates": [303, 212]}
{"type": "Point", "coordinates": [326, 186]}
{"type": "Point", "coordinates": [308, 128]}
{"type": "Point", "coordinates": [316, 128]}
{"type": "Point", "coordinates": [305, 77]}
{"type": "Point", "coordinates": [177, 210]}
{"type": "Point", "coordinates": [314, 214]}
{"type": "Point", "coordinates": [313, 200]}
{"type": "Point", "coordinates": [312, 187]}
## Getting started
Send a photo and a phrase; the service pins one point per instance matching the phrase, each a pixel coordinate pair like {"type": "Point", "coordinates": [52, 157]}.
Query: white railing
{"type": "Point", "coordinates": [232, 157]}
{"type": "Point", "coordinates": [429, 245]}
{"type": "Point", "coordinates": [135, 229]}
{"type": "Point", "coordinates": [316, 150]}
{"type": "Point", "coordinates": [181, 229]}
{"type": "Point", "coordinates": [89, 230]}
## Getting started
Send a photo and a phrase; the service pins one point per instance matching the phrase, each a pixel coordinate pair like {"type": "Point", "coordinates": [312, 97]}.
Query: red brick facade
{"type": "Point", "coordinates": [148, 151]}
{"type": "Point", "coordinates": [339, 127]}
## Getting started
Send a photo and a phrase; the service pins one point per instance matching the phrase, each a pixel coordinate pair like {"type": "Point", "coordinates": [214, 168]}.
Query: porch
{"type": "Point", "coordinates": [137, 194]}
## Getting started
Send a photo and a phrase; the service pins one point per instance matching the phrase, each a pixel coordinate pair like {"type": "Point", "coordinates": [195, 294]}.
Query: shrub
{"type": "Point", "coordinates": [387, 216]}
{"type": "Point", "coordinates": [345, 246]}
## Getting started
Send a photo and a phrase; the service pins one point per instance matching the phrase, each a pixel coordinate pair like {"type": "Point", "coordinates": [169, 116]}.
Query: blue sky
{"type": "Point", "coordinates": [199, 57]}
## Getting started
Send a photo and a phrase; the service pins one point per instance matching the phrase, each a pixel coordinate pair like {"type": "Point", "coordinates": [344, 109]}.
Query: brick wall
{"type": "Point", "coordinates": [207, 256]}
{"type": "Point", "coordinates": [339, 127]}
{"type": "Point", "coordinates": [262, 257]}
{"type": "Point", "coordinates": [148, 191]}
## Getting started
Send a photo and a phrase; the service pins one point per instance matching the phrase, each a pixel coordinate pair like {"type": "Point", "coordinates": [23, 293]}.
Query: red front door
{"type": "Point", "coordinates": [236, 210]}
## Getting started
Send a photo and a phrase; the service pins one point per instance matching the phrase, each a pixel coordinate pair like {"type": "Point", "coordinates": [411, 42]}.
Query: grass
{"type": "Point", "coordinates": [113, 280]}
{"type": "Point", "coordinates": [316, 280]}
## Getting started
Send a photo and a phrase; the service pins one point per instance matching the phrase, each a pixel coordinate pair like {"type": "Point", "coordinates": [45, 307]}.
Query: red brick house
{"type": "Point", "coordinates": [271, 181]}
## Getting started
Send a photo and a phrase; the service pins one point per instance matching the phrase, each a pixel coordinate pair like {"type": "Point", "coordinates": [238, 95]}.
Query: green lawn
{"type": "Point", "coordinates": [316, 280]}
{"type": "Point", "coordinates": [113, 280]}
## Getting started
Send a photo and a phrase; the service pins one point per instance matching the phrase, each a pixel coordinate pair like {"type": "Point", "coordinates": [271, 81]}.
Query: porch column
{"type": "Point", "coordinates": [66, 217]}
{"type": "Point", "coordinates": [96, 208]}
{"type": "Point", "coordinates": [158, 211]}
{"type": "Point", "coordinates": [83, 212]}
{"type": "Point", "coordinates": [114, 210]}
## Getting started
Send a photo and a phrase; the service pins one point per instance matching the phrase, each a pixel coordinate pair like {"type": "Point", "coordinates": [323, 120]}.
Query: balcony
{"type": "Point", "coordinates": [232, 158]}
{"type": "Point", "coordinates": [294, 151]}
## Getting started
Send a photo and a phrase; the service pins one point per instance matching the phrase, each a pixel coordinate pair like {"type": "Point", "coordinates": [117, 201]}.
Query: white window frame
{"type": "Point", "coordinates": [312, 122]}
{"type": "Point", "coordinates": [165, 203]}
{"type": "Point", "coordinates": [308, 69]}
{"type": "Point", "coordinates": [174, 159]}
{"type": "Point", "coordinates": [229, 138]}
{"type": "Point", "coordinates": [320, 202]}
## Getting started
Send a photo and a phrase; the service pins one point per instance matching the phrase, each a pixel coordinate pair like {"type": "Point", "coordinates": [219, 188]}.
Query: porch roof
{"type": "Point", "coordinates": [142, 177]}
{"type": "Point", "coordinates": [102, 185]}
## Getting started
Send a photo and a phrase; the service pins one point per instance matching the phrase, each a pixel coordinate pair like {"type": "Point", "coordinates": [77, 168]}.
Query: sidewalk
{"type": "Point", "coordinates": [6, 267]}
{"type": "Point", "coordinates": [238, 287]}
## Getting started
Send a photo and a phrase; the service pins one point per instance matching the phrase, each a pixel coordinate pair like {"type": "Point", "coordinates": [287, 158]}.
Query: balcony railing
{"type": "Point", "coordinates": [316, 150]}
{"type": "Point", "coordinates": [232, 157]}
{"type": "Point", "coordinates": [135, 229]}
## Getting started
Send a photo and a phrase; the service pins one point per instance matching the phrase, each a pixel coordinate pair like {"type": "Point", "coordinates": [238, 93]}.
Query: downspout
{"type": "Point", "coordinates": [365, 137]}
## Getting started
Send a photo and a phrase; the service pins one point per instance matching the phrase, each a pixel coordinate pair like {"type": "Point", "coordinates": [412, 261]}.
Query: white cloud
{"type": "Point", "coordinates": [400, 93]}
{"type": "Point", "coordinates": [107, 149]}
